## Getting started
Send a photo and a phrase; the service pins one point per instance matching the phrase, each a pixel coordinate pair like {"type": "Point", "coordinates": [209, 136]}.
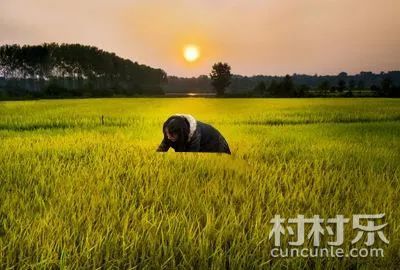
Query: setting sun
{"type": "Point", "coordinates": [191, 53]}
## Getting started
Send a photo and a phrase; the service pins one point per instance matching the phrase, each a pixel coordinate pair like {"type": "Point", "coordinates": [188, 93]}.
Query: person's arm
{"type": "Point", "coordinates": [194, 145]}
{"type": "Point", "coordinates": [164, 145]}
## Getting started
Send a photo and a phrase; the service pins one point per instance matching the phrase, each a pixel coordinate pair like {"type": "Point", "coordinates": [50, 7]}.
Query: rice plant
{"type": "Point", "coordinates": [81, 185]}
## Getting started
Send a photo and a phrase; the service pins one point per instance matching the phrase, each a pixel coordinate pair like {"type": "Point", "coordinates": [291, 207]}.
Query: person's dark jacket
{"type": "Point", "coordinates": [202, 137]}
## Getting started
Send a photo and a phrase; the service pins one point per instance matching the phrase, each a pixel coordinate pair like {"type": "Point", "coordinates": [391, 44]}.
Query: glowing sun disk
{"type": "Point", "coordinates": [191, 53]}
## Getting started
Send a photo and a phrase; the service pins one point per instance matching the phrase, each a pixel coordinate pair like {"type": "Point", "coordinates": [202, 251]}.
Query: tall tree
{"type": "Point", "coordinates": [341, 85]}
{"type": "Point", "coordinates": [387, 86]}
{"type": "Point", "coordinates": [323, 87]}
{"type": "Point", "coordinates": [260, 89]}
{"type": "Point", "coordinates": [220, 77]}
{"type": "Point", "coordinates": [75, 67]}
{"type": "Point", "coordinates": [273, 87]}
{"type": "Point", "coordinates": [287, 86]}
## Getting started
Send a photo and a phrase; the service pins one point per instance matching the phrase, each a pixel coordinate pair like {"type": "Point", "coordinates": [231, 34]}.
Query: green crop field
{"type": "Point", "coordinates": [81, 185]}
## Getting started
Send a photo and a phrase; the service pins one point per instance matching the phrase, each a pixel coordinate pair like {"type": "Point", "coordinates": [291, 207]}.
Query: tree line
{"type": "Point", "coordinates": [63, 70]}
{"type": "Point", "coordinates": [75, 70]}
{"type": "Point", "coordinates": [297, 85]}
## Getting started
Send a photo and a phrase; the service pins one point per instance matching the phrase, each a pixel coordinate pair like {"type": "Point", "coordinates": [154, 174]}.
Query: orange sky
{"type": "Point", "coordinates": [272, 37]}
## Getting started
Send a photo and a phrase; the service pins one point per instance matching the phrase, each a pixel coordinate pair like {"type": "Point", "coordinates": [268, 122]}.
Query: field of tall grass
{"type": "Point", "coordinates": [81, 185]}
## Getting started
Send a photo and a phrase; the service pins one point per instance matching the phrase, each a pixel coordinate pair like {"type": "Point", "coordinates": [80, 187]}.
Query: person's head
{"type": "Point", "coordinates": [176, 130]}
{"type": "Point", "coordinates": [171, 135]}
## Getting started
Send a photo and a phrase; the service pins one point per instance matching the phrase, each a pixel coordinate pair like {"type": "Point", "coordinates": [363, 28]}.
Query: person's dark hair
{"type": "Point", "coordinates": [180, 127]}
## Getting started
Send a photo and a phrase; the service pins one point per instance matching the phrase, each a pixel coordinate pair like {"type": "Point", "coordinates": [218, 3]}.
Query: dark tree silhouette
{"type": "Point", "coordinates": [361, 85]}
{"type": "Point", "coordinates": [260, 89]}
{"type": "Point", "coordinates": [273, 87]}
{"type": "Point", "coordinates": [302, 90]}
{"type": "Point", "coordinates": [386, 86]}
{"type": "Point", "coordinates": [376, 90]}
{"type": "Point", "coordinates": [220, 77]}
{"type": "Point", "coordinates": [323, 87]}
{"type": "Point", "coordinates": [352, 84]}
{"type": "Point", "coordinates": [389, 88]}
{"type": "Point", "coordinates": [287, 87]}
{"type": "Point", "coordinates": [75, 69]}
{"type": "Point", "coordinates": [341, 85]}
{"type": "Point", "coordinates": [244, 84]}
